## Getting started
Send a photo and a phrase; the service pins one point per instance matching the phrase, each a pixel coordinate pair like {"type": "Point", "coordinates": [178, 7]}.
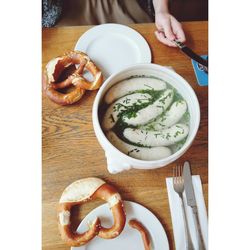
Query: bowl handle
{"type": "Point", "coordinates": [115, 164]}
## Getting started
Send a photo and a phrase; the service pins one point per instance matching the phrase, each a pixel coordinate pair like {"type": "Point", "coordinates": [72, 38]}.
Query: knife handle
{"type": "Point", "coordinates": [201, 243]}
{"type": "Point", "coordinates": [189, 243]}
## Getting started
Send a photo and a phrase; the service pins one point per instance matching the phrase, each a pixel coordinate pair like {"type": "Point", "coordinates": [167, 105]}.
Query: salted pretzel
{"type": "Point", "coordinates": [82, 191]}
{"type": "Point", "coordinates": [84, 83]}
{"type": "Point", "coordinates": [55, 68]}
{"type": "Point", "coordinates": [143, 231]}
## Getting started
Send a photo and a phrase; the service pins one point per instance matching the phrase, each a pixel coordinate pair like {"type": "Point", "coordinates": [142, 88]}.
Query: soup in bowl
{"type": "Point", "coordinates": [145, 117]}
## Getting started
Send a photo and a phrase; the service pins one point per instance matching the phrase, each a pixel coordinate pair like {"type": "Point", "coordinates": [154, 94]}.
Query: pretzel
{"type": "Point", "coordinates": [144, 233]}
{"type": "Point", "coordinates": [56, 66]}
{"type": "Point", "coordinates": [94, 70]}
{"type": "Point", "coordinates": [82, 191]}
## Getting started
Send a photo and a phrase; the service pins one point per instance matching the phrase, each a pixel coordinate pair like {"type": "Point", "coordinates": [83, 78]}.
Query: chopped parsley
{"type": "Point", "coordinates": [130, 108]}
{"type": "Point", "coordinates": [133, 150]}
{"type": "Point", "coordinates": [177, 133]}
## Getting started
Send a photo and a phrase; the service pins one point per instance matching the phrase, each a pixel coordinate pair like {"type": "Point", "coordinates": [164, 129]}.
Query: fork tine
{"type": "Point", "coordinates": [177, 172]}
{"type": "Point", "coordinates": [174, 175]}
{"type": "Point", "coordinates": [180, 173]}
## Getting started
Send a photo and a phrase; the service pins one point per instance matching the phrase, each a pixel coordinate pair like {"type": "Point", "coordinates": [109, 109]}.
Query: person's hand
{"type": "Point", "coordinates": [168, 29]}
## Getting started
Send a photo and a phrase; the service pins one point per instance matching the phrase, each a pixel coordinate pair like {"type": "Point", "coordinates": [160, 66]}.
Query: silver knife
{"type": "Point", "coordinates": [191, 54]}
{"type": "Point", "coordinates": [189, 190]}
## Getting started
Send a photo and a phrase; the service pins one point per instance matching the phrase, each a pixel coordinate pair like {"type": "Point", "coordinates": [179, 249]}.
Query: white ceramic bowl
{"type": "Point", "coordinates": [118, 161]}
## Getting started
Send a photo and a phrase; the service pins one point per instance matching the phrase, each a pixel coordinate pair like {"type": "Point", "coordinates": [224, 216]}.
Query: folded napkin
{"type": "Point", "coordinates": [177, 217]}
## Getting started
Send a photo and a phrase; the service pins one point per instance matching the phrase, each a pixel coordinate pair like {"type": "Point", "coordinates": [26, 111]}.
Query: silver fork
{"type": "Point", "coordinates": [178, 183]}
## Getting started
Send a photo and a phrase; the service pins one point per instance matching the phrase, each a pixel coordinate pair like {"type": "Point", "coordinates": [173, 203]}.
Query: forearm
{"type": "Point", "coordinates": [161, 6]}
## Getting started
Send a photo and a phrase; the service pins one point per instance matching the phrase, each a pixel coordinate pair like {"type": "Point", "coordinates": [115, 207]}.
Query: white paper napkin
{"type": "Point", "coordinates": [177, 216]}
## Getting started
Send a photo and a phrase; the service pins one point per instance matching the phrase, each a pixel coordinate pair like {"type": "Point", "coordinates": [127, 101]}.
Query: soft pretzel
{"type": "Point", "coordinates": [56, 66]}
{"type": "Point", "coordinates": [144, 233]}
{"type": "Point", "coordinates": [84, 190]}
{"type": "Point", "coordinates": [108, 193]}
{"type": "Point", "coordinates": [98, 77]}
{"type": "Point", "coordinates": [60, 98]}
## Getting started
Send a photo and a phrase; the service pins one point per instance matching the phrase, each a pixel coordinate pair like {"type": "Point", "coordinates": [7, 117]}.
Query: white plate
{"type": "Point", "coordinates": [114, 47]}
{"type": "Point", "coordinates": [129, 239]}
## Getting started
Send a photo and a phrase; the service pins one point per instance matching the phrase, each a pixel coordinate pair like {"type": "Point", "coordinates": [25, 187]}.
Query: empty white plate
{"type": "Point", "coordinates": [129, 238]}
{"type": "Point", "coordinates": [114, 47]}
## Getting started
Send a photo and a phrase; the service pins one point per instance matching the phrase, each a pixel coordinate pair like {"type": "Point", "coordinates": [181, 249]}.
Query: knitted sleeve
{"type": "Point", "coordinates": [51, 12]}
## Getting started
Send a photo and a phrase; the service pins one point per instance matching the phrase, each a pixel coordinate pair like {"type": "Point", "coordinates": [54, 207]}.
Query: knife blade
{"type": "Point", "coordinates": [188, 185]}
{"type": "Point", "coordinates": [191, 201]}
{"type": "Point", "coordinates": [191, 53]}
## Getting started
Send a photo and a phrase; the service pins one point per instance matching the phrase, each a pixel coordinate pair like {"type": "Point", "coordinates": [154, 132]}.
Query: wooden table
{"type": "Point", "coordinates": [71, 150]}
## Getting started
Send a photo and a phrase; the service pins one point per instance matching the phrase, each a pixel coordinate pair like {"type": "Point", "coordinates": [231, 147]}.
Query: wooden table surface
{"type": "Point", "coordinates": [71, 151]}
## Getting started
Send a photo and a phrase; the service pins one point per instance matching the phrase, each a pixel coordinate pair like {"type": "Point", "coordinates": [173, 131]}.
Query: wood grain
{"type": "Point", "coordinates": [70, 150]}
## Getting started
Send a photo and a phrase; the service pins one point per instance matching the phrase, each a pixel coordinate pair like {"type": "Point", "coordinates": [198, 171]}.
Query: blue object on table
{"type": "Point", "coordinates": [201, 75]}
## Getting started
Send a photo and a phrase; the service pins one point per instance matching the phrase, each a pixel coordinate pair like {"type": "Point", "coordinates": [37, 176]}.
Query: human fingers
{"type": "Point", "coordinates": [178, 30]}
{"type": "Point", "coordinates": [160, 36]}
{"type": "Point", "coordinates": [167, 27]}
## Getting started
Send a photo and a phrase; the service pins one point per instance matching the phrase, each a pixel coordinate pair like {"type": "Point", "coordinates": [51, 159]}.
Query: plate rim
{"type": "Point", "coordinates": [146, 56]}
{"type": "Point", "coordinates": [133, 204]}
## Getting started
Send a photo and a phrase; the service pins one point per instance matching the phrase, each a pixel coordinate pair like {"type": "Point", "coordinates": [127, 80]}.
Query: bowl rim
{"type": "Point", "coordinates": [97, 125]}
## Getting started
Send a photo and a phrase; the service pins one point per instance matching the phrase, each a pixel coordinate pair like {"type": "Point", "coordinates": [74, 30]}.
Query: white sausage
{"type": "Point", "coordinates": [147, 154]}
{"type": "Point", "coordinates": [171, 117]}
{"type": "Point", "coordinates": [151, 138]}
{"type": "Point", "coordinates": [145, 115]}
{"type": "Point", "coordinates": [114, 110]}
{"type": "Point", "coordinates": [131, 85]}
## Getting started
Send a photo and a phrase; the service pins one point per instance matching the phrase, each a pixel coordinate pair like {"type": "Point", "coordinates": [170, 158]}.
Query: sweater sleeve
{"type": "Point", "coordinates": [51, 12]}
